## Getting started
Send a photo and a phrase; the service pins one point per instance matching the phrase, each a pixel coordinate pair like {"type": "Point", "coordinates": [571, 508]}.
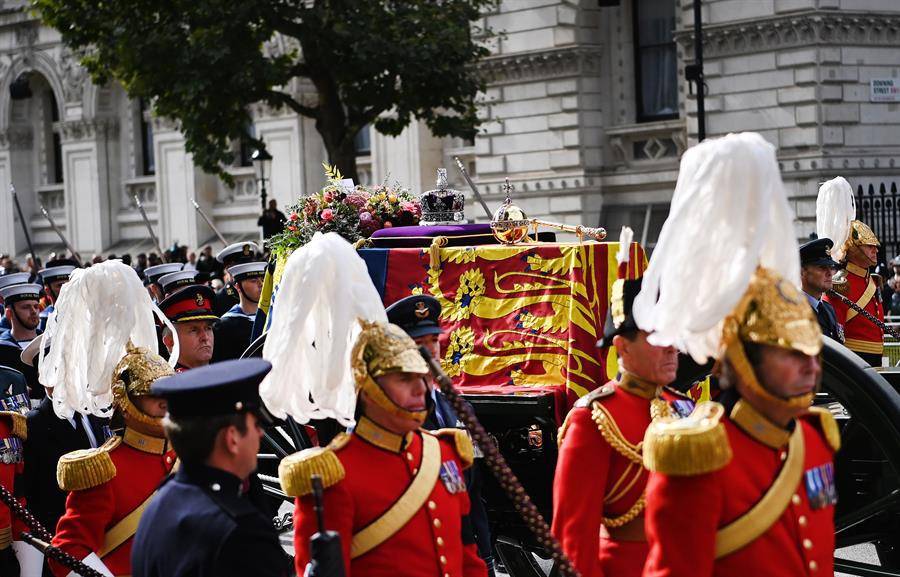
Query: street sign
{"type": "Point", "coordinates": [884, 90]}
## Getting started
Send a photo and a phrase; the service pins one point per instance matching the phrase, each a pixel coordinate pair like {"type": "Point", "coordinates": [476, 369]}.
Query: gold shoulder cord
{"type": "Point", "coordinates": [632, 452]}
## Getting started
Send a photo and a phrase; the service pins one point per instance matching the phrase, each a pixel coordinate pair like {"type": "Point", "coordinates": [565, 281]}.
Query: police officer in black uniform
{"type": "Point", "coordinates": [201, 524]}
{"type": "Point", "coordinates": [419, 316]}
{"type": "Point", "coordinates": [234, 328]}
{"type": "Point", "coordinates": [817, 269]}
{"type": "Point", "coordinates": [229, 256]}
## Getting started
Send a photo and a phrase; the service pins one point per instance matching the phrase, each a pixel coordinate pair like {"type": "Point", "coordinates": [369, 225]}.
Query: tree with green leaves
{"type": "Point", "coordinates": [344, 63]}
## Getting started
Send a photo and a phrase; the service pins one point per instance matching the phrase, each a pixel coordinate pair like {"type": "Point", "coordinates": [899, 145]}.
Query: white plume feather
{"type": "Point", "coordinates": [835, 209]}
{"type": "Point", "coordinates": [625, 238]}
{"type": "Point", "coordinates": [324, 290]}
{"type": "Point", "coordinates": [729, 215]}
{"type": "Point", "coordinates": [98, 311]}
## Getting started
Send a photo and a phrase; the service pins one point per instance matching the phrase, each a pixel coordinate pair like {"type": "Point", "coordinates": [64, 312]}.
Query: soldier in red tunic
{"type": "Point", "coordinates": [856, 249]}
{"type": "Point", "coordinates": [14, 554]}
{"type": "Point", "coordinates": [600, 478]}
{"type": "Point", "coordinates": [861, 335]}
{"type": "Point", "coordinates": [103, 337]}
{"type": "Point", "coordinates": [110, 486]}
{"type": "Point", "coordinates": [394, 492]}
{"type": "Point", "coordinates": [745, 485]}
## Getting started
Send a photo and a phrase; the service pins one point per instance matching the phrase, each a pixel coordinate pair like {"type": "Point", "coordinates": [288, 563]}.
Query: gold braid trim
{"type": "Point", "coordinates": [461, 442]}
{"type": "Point", "coordinates": [629, 515]}
{"type": "Point", "coordinates": [612, 435]}
{"type": "Point", "coordinates": [295, 471]}
{"type": "Point", "coordinates": [829, 427]}
{"type": "Point", "coordinates": [87, 468]}
{"type": "Point", "coordinates": [694, 445]}
{"type": "Point", "coordinates": [5, 537]}
{"type": "Point", "coordinates": [18, 423]}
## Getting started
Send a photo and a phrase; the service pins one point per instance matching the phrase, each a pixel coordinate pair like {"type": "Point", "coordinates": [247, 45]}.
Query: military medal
{"type": "Point", "coordinates": [820, 487]}
{"type": "Point", "coordinates": [683, 407]}
{"type": "Point", "coordinates": [452, 477]}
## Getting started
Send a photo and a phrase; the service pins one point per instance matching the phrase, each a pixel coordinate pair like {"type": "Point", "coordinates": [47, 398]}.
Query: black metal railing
{"type": "Point", "coordinates": [880, 209]}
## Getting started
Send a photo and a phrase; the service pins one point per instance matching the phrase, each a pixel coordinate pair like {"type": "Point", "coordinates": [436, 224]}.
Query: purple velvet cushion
{"type": "Point", "coordinates": [420, 236]}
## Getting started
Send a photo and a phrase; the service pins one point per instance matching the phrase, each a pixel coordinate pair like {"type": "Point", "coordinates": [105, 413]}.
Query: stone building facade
{"type": "Point", "coordinates": [587, 113]}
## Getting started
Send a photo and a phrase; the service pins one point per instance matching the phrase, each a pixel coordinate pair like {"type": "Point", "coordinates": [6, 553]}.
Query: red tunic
{"type": "Point", "coordinates": [92, 512]}
{"type": "Point", "coordinates": [12, 451]}
{"type": "Point", "coordinates": [593, 480]}
{"type": "Point", "coordinates": [861, 335]}
{"type": "Point", "coordinates": [430, 544]}
{"type": "Point", "coordinates": [684, 513]}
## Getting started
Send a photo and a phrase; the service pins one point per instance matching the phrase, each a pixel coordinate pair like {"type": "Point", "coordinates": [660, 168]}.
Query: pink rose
{"type": "Point", "coordinates": [295, 217]}
{"type": "Point", "coordinates": [328, 195]}
{"type": "Point", "coordinates": [327, 215]}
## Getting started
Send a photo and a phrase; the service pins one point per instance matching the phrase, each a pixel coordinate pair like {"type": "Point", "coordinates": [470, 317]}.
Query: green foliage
{"type": "Point", "coordinates": [204, 62]}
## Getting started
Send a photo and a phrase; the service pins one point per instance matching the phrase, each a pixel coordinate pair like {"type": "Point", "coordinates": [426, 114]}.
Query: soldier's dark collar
{"type": "Point", "coordinates": [638, 387]}
{"type": "Point", "coordinates": [211, 478]}
{"type": "Point", "coordinates": [857, 270]}
{"type": "Point", "coordinates": [369, 431]}
{"type": "Point", "coordinates": [757, 426]}
{"type": "Point", "coordinates": [145, 443]}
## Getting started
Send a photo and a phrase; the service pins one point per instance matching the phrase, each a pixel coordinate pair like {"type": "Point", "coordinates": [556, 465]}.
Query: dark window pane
{"type": "Point", "coordinates": [655, 59]}
{"type": "Point", "coordinates": [148, 155]}
{"type": "Point", "coordinates": [247, 148]}
{"type": "Point", "coordinates": [57, 159]}
{"type": "Point", "coordinates": [363, 141]}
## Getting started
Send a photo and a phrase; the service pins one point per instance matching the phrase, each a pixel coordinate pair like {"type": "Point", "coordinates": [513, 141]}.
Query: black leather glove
{"type": "Point", "coordinates": [9, 565]}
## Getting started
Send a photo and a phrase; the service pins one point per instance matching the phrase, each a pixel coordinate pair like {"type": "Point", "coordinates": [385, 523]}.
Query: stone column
{"type": "Point", "coordinates": [177, 182]}
{"type": "Point", "coordinates": [88, 190]}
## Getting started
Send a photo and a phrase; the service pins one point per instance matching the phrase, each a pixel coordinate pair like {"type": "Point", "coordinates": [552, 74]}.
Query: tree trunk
{"type": "Point", "coordinates": [344, 158]}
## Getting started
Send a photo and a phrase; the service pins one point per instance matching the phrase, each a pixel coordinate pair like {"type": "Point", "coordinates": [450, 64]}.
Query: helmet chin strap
{"type": "Point", "coordinates": [381, 398]}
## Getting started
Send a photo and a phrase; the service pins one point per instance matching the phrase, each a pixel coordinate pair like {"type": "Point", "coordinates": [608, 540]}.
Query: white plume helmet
{"type": "Point", "coordinates": [625, 238]}
{"type": "Point", "coordinates": [835, 210]}
{"type": "Point", "coordinates": [97, 313]}
{"type": "Point", "coordinates": [324, 291]}
{"type": "Point", "coordinates": [729, 215]}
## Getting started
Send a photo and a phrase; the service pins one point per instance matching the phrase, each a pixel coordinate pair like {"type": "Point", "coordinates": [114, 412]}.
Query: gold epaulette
{"type": "Point", "coordinates": [19, 423]}
{"type": "Point", "coordinates": [295, 471]}
{"type": "Point", "coordinates": [694, 445]}
{"type": "Point", "coordinates": [87, 468]}
{"type": "Point", "coordinates": [597, 394]}
{"type": "Point", "coordinates": [461, 442]}
{"type": "Point", "coordinates": [829, 426]}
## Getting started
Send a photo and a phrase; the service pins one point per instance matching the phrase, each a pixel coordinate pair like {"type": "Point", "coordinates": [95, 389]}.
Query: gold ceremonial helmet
{"type": "Point", "coordinates": [132, 378]}
{"type": "Point", "coordinates": [772, 312]}
{"type": "Point", "coordinates": [380, 349]}
{"type": "Point", "coordinates": [861, 235]}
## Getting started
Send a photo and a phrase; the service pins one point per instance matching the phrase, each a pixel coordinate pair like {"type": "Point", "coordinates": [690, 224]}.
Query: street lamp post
{"type": "Point", "coordinates": [261, 162]}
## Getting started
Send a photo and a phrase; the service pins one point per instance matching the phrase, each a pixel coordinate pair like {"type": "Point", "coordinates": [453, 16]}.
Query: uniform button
{"type": "Point", "coordinates": [443, 560]}
{"type": "Point", "coordinates": [216, 487]}
{"type": "Point", "coordinates": [437, 523]}
{"type": "Point", "coordinates": [415, 470]}
{"type": "Point", "coordinates": [813, 566]}
{"type": "Point", "coordinates": [795, 499]}
{"type": "Point", "coordinates": [783, 456]}
{"type": "Point", "coordinates": [168, 460]}
{"type": "Point", "coordinates": [440, 541]}
{"type": "Point", "coordinates": [807, 544]}
{"type": "Point", "coordinates": [446, 575]}
{"type": "Point", "coordinates": [802, 520]}
{"type": "Point", "coordinates": [409, 456]}
{"type": "Point", "coordinates": [432, 505]}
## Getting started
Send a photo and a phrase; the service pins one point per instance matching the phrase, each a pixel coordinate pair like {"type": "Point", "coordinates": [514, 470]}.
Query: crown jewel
{"type": "Point", "coordinates": [443, 205]}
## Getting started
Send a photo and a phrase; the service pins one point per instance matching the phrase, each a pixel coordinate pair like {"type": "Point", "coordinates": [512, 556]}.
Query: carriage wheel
{"type": "Point", "coordinates": [866, 404]}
